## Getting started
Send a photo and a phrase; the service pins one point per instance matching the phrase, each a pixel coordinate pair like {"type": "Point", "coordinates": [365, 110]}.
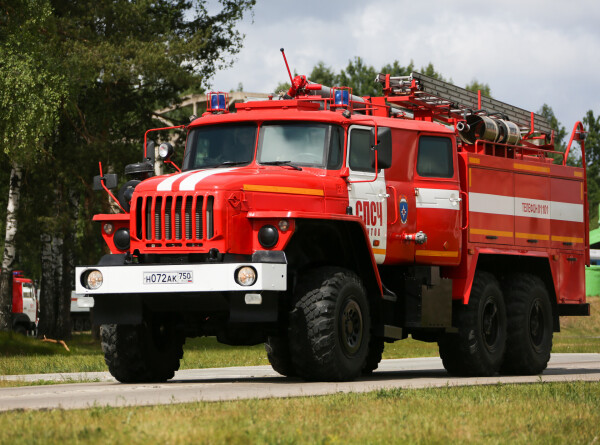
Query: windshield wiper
{"type": "Point", "coordinates": [228, 163]}
{"type": "Point", "coordinates": [288, 163]}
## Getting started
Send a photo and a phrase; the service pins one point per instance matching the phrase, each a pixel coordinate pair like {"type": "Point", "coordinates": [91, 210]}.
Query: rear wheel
{"type": "Point", "coordinates": [529, 339]}
{"type": "Point", "coordinates": [331, 326]}
{"type": "Point", "coordinates": [478, 347]}
{"type": "Point", "coordinates": [149, 352]}
{"type": "Point", "coordinates": [375, 355]}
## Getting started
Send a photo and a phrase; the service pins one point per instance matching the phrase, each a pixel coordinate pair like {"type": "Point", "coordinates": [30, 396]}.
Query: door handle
{"type": "Point", "coordinates": [396, 212]}
{"type": "Point", "coordinates": [465, 210]}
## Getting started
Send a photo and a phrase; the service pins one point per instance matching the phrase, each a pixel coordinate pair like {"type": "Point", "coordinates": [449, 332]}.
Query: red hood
{"type": "Point", "coordinates": [235, 178]}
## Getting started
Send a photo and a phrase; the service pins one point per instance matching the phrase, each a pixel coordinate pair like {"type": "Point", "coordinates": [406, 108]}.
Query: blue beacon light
{"type": "Point", "coordinates": [341, 97]}
{"type": "Point", "coordinates": [217, 102]}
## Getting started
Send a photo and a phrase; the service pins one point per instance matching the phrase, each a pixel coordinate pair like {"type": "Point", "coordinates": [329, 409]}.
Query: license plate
{"type": "Point", "coordinates": [168, 278]}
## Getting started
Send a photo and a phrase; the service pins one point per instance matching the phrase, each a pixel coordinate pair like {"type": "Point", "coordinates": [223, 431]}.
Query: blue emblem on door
{"type": "Point", "coordinates": [403, 209]}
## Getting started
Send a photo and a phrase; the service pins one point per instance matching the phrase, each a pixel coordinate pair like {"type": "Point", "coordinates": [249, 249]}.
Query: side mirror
{"type": "Point", "coordinates": [150, 155]}
{"type": "Point", "coordinates": [383, 147]}
{"type": "Point", "coordinates": [110, 181]}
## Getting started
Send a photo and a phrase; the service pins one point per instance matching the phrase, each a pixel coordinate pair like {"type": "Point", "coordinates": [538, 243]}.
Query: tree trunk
{"type": "Point", "coordinates": [55, 296]}
{"type": "Point", "coordinates": [8, 259]}
{"type": "Point", "coordinates": [47, 289]}
{"type": "Point", "coordinates": [55, 304]}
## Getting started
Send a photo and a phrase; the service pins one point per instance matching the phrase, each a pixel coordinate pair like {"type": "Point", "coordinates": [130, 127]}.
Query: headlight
{"type": "Point", "coordinates": [93, 279]}
{"type": "Point", "coordinates": [165, 150]}
{"type": "Point", "coordinates": [245, 276]}
{"type": "Point", "coordinates": [108, 228]}
{"type": "Point", "coordinates": [268, 236]}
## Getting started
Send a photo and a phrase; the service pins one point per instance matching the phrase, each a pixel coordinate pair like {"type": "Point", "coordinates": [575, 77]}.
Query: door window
{"type": "Point", "coordinates": [435, 157]}
{"type": "Point", "coordinates": [360, 150]}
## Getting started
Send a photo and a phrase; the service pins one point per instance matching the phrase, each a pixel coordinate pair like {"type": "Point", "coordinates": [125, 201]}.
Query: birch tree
{"type": "Point", "coordinates": [31, 97]}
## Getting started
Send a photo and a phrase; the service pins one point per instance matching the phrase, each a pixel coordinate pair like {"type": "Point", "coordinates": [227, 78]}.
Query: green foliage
{"type": "Point", "coordinates": [360, 76]}
{"type": "Point", "coordinates": [282, 87]}
{"type": "Point", "coordinates": [560, 131]}
{"type": "Point", "coordinates": [395, 69]}
{"type": "Point", "coordinates": [591, 124]}
{"type": "Point", "coordinates": [32, 89]}
{"type": "Point", "coordinates": [323, 74]}
{"type": "Point", "coordinates": [475, 86]}
{"type": "Point", "coordinates": [430, 71]}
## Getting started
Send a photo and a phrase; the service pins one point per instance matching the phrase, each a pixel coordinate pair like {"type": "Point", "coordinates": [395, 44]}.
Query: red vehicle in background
{"type": "Point", "coordinates": [326, 224]}
{"type": "Point", "coordinates": [24, 304]}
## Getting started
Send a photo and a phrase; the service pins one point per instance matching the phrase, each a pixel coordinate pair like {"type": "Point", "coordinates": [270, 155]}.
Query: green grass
{"type": "Point", "coordinates": [522, 414]}
{"type": "Point", "coordinates": [21, 355]}
{"type": "Point", "coordinates": [25, 355]}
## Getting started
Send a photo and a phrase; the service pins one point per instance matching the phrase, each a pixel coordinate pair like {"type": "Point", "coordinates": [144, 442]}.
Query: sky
{"type": "Point", "coordinates": [529, 52]}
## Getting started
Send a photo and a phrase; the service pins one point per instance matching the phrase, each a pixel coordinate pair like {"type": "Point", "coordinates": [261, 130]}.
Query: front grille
{"type": "Point", "coordinates": [176, 219]}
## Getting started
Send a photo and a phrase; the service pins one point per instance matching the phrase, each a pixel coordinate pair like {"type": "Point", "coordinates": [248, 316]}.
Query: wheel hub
{"type": "Point", "coordinates": [536, 324]}
{"type": "Point", "coordinates": [351, 327]}
{"type": "Point", "coordinates": [490, 324]}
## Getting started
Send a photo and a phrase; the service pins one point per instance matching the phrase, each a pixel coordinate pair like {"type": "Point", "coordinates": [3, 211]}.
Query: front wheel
{"type": "Point", "coordinates": [278, 353]}
{"type": "Point", "coordinates": [330, 326]}
{"type": "Point", "coordinates": [478, 347]}
{"type": "Point", "coordinates": [149, 352]}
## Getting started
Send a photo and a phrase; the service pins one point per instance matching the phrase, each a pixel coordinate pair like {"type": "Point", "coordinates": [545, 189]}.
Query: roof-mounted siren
{"type": "Point", "coordinates": [217, 102]}
{"type": "Point", "coordinates": [341, 97]}
{"type": "Point", "coordinates": [479, 127]}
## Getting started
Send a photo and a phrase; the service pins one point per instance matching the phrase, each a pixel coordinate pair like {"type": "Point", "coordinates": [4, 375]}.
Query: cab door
{"type": "Point", "coordinates": [438, 201]}
{"type": "Point", "coordinates": [366, 190]}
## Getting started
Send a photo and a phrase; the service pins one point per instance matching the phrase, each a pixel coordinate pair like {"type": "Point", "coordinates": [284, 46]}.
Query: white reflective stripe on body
{"type": "Point", "coordinates": [167, 184]}
{"type": "Point", "coordinates": [564, 211]}
{"type": "Point", "coordinates": [190, 179]}
{"type": "Point", "coordinates": [526, 207]}
{"type": "Point", "coordinates": [204, 278]}
{"type": "Point", "coordinates": [189, 183]}
{"type": "Point", "coordinates": [446, 199]}
{"type": "Point", "coordinates": [494, 204]}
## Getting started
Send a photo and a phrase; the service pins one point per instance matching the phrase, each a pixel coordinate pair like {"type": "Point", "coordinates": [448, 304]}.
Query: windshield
{"type": "Point", "coordinates": [28, 291]}
{"type": "Point", "coordinates": [309, 144]}
{"type": "Point", "coordinates": [220, 146]}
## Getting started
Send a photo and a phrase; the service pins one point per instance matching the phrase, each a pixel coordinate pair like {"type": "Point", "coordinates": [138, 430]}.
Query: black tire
{"type": "Point", "coordinates": [20, 329]}
{"type": "Point", "coordinates": [149, 352]}
{"type": "Point", "coordinates": [374, 356]}
{"type": "Point", "coordinates": [278, 353]}
{"type": "Point", "coordinates": [330, 326]}
{"type": "Point", "coordinates": [530, 327]}
{"type": "Point", "coordinates": [478, 347]}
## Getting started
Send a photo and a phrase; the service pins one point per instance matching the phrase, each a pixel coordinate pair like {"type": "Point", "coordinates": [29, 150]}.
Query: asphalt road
{"type": "Point", "coordinates": [192, 385]}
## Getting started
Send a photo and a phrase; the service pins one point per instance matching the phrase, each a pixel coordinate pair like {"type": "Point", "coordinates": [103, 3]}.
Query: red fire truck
{"type": "Point", "coordinates": [24, 304]}
{"type": "Point", "coordinates": [325, 224]}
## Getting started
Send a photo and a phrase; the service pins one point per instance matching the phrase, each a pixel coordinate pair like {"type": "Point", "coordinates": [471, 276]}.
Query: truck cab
{"type": "Point", "coordinates": [24, 304]}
